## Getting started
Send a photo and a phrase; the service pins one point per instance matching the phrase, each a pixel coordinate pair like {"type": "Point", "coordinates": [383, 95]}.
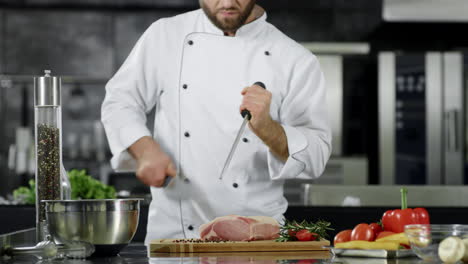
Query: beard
{"type": "Point", "coordinates": [228, 24]}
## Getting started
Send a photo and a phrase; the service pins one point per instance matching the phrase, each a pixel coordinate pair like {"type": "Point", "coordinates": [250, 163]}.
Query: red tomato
{"type": "Point", "coordinates": [307, 261]}
{"type": "Point", "coordinates": [376, 228]}
{"type": "Point", "coordinates": [306, 235]}
{"type": "Point", "coordinates": [292, 233]}
{"type": "Point", "coordinates": [384, 234]}
{"type": "Point", "coordinates": [343, 236]}
{"type": "Point", "coordinates": [387, 220]}
{"type": "Point", "coordinates": [362, 232]}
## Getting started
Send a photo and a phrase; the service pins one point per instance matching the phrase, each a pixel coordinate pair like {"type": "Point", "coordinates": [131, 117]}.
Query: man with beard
{"type": "Point", "coordinates": [197, 70]}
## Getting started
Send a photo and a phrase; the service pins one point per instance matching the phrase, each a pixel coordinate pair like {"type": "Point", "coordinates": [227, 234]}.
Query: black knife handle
{"type": "Point", "coordinates": [167, 180]}
{"type": "Point", "coordinates": [246, 112]}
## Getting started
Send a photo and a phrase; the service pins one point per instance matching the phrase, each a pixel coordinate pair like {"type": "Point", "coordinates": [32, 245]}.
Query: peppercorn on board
{"type": "Point", "coordinates": [198, 245]}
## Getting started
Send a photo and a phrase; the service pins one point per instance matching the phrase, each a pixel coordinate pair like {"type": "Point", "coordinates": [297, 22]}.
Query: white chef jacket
{"type": "Point", "coordinates": [193, 74]}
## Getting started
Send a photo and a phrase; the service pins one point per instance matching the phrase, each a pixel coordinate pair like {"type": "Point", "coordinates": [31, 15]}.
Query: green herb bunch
{"type": "Point", "coordinates": [289, 229]}
{"type": "Point", "coordinates": [83, 186]}
{"type": "Point", "coordinates": [25, 194]}
{"type": "Point", "coordinates": [86, 187]}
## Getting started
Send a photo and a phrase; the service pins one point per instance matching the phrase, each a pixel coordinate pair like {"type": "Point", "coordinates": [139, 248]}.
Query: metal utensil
{"type": "Point", "coordinates": [108, 224]}
{"type": "Point", "coordinates": [247, 116]}
{"type": "Point", "coordinates": [47, 249]}
{"type": "Point", "coordinates": [43, 250]}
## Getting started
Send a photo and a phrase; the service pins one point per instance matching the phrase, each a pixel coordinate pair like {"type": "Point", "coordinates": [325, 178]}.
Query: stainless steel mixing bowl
{"type": "Point", "coordinates": [109, 224]}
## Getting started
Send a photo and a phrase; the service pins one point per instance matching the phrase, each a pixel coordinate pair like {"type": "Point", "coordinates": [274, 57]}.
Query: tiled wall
{"type": "Point", "coordinates": [93, 42]}
{"type": "Point", "coordinates": [333, 22]}
{"type": "Point", "coordinates": [2, 40]}
{"type": "Point", "coordinates": [128, 28]}
{"type": "Point", "coordinates": [68, 42]}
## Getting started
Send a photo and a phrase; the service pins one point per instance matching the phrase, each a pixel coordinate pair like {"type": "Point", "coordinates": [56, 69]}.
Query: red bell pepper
{"type": "Point", "coordinates": [395, 220]}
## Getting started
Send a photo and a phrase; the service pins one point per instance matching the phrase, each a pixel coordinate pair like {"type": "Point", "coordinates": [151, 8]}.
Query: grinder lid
{"type": "Point", "coordinates": [47, 90]}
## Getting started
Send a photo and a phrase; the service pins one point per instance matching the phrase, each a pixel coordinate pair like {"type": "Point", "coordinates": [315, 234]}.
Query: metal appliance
{"type": "Point", "coordinates": [421, 118]}
{"type": "Point", "coordinates": [343, 167]}
{"type": "Point", "coordinates": [383, 196]}
{"type": "Point", "coordinates": [425, 10]}
{"type": "Point", "coordinates": [347, 166]}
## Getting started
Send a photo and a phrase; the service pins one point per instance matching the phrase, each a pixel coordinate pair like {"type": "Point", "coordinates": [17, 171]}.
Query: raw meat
{"type": "Point", "coordinates": [240, 228]}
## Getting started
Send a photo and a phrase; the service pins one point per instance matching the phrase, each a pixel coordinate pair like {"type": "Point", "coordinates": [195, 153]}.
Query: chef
{"type": "Point", "coordinates": [197, 70]}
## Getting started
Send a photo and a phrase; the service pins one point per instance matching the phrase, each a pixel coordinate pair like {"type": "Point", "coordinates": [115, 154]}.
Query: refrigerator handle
{"type": "Point", "coordinates": [451, 127]}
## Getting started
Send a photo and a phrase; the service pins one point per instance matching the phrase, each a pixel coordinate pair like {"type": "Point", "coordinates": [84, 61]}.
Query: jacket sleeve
{"type": "Point", "coordinates": [130, 94]}
{"type": "Point", "coordinates": [303, 116]}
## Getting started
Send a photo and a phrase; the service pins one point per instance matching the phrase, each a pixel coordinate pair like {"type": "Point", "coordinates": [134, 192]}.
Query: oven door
{"type": "Point", "coordinates": [421, 118]}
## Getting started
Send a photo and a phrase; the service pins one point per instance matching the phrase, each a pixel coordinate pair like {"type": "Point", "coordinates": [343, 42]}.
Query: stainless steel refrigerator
{"type": "Point", "coordinates": [422, 118]}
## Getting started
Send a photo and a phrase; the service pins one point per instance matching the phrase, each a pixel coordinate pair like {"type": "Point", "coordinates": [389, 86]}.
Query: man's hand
{"type": "Point", "coordinates": [153, 164]}
{"type": "Point", "coordinates": [257, 100]}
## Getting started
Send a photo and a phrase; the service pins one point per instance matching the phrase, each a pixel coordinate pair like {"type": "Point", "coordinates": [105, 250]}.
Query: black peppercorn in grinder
{"type": "Point", "coordinates": [51, 179]}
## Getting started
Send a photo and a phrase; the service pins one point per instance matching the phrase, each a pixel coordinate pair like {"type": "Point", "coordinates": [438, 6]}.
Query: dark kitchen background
{"type": "Point", "coordinates": [87, 40]}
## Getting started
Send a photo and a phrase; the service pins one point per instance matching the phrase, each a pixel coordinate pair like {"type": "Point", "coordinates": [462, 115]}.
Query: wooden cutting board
{"type": "Point", "coordinates": [247, 257]}
{"type": "Point", "coordinates": [186, 245]}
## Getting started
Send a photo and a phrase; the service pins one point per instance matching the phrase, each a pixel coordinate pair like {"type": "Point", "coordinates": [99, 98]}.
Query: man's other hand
{"type": "Point", "coordinates": [153, 165]}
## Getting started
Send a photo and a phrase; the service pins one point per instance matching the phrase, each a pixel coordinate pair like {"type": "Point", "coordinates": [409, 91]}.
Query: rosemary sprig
{"type": "Point", "coordinates": [289, 228]}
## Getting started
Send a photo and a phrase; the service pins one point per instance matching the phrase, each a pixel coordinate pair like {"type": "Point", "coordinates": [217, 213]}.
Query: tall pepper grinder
{"type": "Point", "coordinates": [51, 180]}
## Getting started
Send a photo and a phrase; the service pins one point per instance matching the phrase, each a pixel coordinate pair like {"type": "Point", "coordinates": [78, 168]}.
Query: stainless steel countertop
{"type": "Point", "coordinates": [384, 195]}
{"type": "Point", "coordinates": [136, 253]}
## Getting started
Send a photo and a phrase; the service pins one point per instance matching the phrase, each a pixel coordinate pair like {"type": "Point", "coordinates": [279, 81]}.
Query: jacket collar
{"type": "Point", "coordinates": [248, 30]}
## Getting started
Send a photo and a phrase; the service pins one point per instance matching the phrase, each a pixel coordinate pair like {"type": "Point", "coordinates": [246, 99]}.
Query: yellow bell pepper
{"type": "Point", "coordinates": [359, 244]}
{"type": "Point", "coordinates": [401, 238]}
